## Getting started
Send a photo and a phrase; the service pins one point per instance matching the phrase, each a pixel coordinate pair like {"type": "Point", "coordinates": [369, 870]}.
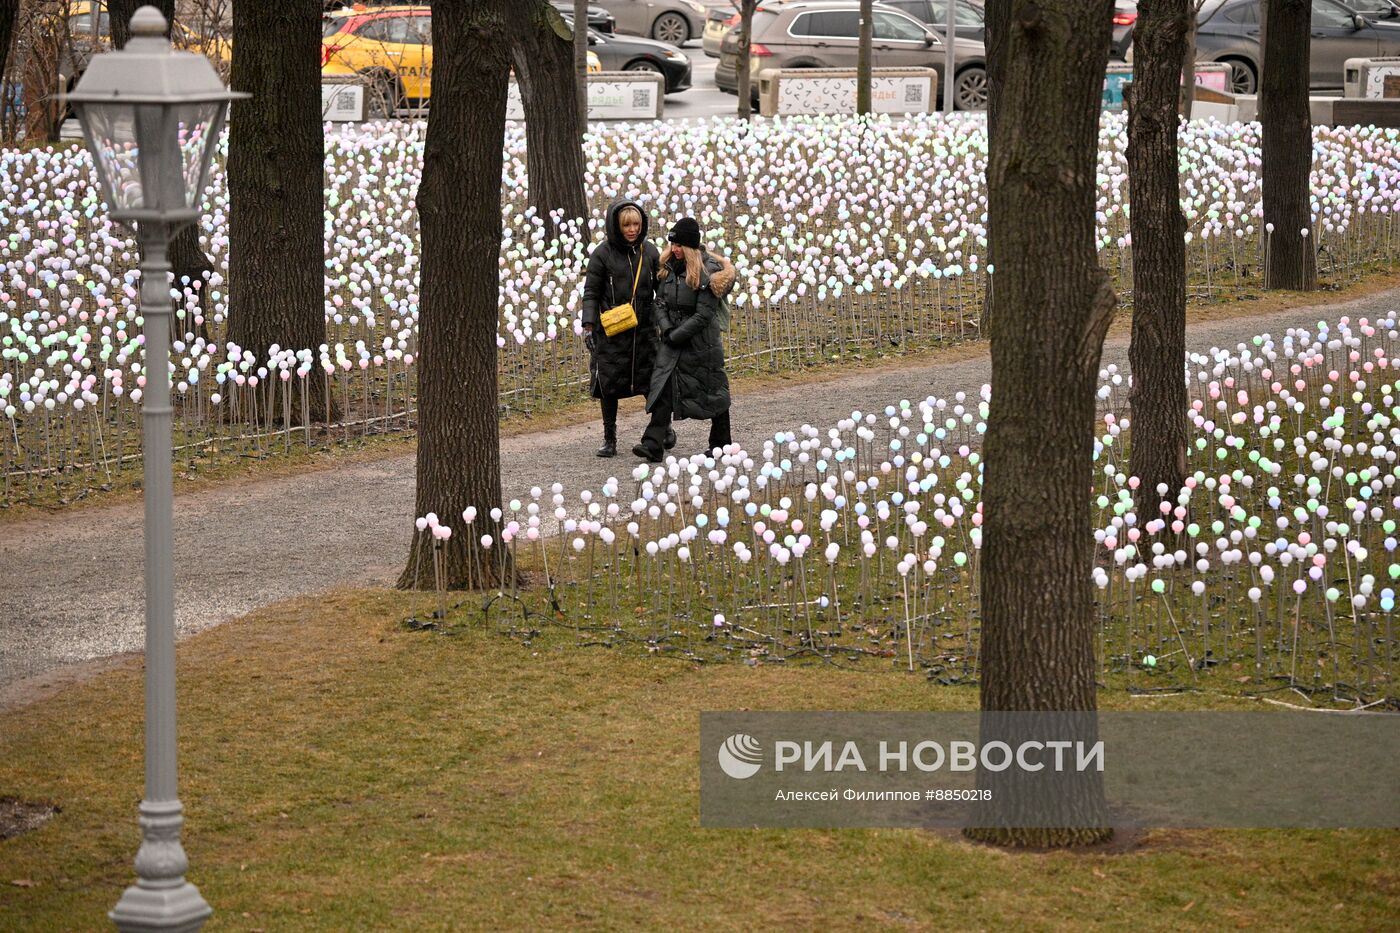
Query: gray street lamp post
{"type": "Point", "coordinates": [152, 117]}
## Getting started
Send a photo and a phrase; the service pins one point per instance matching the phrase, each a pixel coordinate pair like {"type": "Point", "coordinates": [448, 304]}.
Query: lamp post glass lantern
{"type": "Point", "coordinates": [151, 117]}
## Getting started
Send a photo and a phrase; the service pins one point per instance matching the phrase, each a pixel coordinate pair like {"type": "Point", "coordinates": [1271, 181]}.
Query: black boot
{"type": "Point", "coordinates": [641, 451]}
{"type": "Point", "coordinates": [670, 438]}
{"type": "Point", "coordinates": [609, 448]}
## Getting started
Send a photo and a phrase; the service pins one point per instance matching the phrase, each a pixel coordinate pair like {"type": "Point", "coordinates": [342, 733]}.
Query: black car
{"type": "Point", "coordinates": [633, 53]}
{"type": "Point", "coordinates": [599, 19]}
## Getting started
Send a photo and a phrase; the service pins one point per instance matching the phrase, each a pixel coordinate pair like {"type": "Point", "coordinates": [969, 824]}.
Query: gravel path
{"type": "Point", "coordinates": [70, 586]}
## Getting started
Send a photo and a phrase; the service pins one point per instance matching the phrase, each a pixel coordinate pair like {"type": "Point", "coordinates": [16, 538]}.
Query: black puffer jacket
{"type": "Point", "coordinates": [621, 366]}
{"type": "Point", "coordinates": [691, 361]}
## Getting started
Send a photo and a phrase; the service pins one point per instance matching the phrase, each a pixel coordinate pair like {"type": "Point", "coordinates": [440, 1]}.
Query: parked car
{"type": "Point", "coordinates": [1124, 18]}
{"type": "Point", "coordinates": [826, 34]}
{"type": "Point", "coordinates": [672, 21]}
{"type": "Point", "coordinates": [391, 46]}
{"type": "Point", "coordinates": [633, 53]}
{"type": "Point", "coordinates": [969, 22]}
{"type": "Point", "coordinates": [1229, 33]}
{"type": "Point", "coordinates": [718, 21]}
{"type": "Point", "coordinates": [598, 18]}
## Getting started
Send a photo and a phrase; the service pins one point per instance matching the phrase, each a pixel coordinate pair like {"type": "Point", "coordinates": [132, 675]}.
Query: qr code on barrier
{"type": "Point", "coordinates": [913, 94]}
{"type": "Point", "coordinates": [641, 97]}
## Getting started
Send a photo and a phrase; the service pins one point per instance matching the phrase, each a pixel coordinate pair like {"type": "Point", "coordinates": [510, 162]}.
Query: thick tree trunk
{"type": "Point", "coordinates": [743, 73]}
{"type": "Point", "coordinates": [544, 69]}
{"type": "Point", "coordinates": [276, 161]}
{"type": "Point", "coordinates": [581, 64]}
{"type": "Point", "coordinates": [1158, 346]}
{"type": "Point", "coordinates": [459, 220]}
{"type": "Point", "coordinates": [1287, 157]}
{"type": "Point", "coordinates": [188, 262]}
{"type": "Point", "coordinates": [864, 54]}
{"type": "Point", "coordinates": [1053, 307]}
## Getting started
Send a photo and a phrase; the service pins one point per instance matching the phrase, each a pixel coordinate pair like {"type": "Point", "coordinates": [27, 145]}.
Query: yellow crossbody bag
{"type": "Point", "coordinates": [623, 318]}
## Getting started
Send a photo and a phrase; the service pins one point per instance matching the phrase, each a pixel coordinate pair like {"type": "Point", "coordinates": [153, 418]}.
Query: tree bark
{"type": "Point", "coordinates": [188, 262]}
{"type": "Point", "coordinates": [276, 163]}
{"type": "Point", "coordinates": [544, 69]}
{"type": "Point", "coordinates": [1053, 306]}
{"type": "Point", "coordinates": [581, 63]}
{"type": "Point", "coordinates": [864, 54]}
{"type": "Point", "coordinates": [459, 219]}
{"type": "Point", "coordinates": [1158, 344]}
{"type": "Point", "coordinates": [1291, 262]}
{"type": "Point", "coordinates": [744, 75]}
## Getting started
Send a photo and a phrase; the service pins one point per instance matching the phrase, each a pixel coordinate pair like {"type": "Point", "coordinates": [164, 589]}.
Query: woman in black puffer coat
{"type": "Point", "coordinates": [620, 366]}
{"type": "Point", "coordinates": [688, 380]}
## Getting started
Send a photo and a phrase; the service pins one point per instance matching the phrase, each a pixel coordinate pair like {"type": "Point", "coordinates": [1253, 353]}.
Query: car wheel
{"type": "Point", "coordinates": [382, 96]}
{"type": "Point", "coordinates": [671, 28]}
{"type": "Point", "coordinates": [970, 89]}
{"type": "Point", "coordinates": [644, 64]}
{"type": "Point", "coordinates": [1243, 80]}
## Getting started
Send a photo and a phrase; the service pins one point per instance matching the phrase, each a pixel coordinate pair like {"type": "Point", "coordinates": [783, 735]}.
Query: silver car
{"type": "Point", "coordinates": [1228, 32]}
{"type": "Point", "coordinates": [825, 34]}
{"type": "Point", "coordinates": [675, 22]}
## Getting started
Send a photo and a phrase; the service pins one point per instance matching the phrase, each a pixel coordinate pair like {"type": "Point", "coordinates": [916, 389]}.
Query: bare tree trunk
{"type": "Point", "coordinates": [998, 16]}
{"type": "Point", "coordinates": [119, 13]}
{"type": "Point", "coordinates": [459, 211]}
{"type": "Point", "coordinates": [1053, 307]}
{"type": "Point", "coordinates": [1158, 345]}
{"type": "Point", "coordinates": [743, 74]}
{"type": "Point", "coordinates": [40, 79]}
{"type": "Point", "coordinates": [8, 10]}
{"type": "Point", "coordinates": [544, 69]}
{"type": "Point", "coordinates": [863, 56]}
{"type": "Point", "coordinates": [276, 166]}
{"type": "Point", "coordinates": [1287, 150]}
{"type": "Point", "coordinates": [1187, 74]}
{"type": "Point", "coordinates": [581, 63]}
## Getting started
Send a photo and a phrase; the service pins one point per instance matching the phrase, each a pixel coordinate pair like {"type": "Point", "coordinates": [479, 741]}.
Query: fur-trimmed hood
{"type": "Point", "coordinates": [722, 281]}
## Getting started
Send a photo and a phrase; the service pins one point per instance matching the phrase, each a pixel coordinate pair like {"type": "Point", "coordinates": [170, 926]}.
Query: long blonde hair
{"type": "Point", "coordinates": [694, 263]}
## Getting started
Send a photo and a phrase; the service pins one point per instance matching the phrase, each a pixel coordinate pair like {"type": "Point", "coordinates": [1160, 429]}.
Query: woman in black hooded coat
{"type": "Point", "coordinates": [620, 366]}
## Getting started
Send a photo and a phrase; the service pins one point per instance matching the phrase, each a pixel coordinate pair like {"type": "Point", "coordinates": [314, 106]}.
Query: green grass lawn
{"type": "Point", "coordinates": [341, 772]}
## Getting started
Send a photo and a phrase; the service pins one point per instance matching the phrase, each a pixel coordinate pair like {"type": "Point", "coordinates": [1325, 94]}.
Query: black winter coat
{"type": "Point", "coordinates": [690, 363]}
{"type": "Point", "coordinates": [621, 366]}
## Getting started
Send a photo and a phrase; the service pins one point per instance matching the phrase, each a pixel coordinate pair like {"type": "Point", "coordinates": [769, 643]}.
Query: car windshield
{"type": "Point", "coordinates": [332, 25]}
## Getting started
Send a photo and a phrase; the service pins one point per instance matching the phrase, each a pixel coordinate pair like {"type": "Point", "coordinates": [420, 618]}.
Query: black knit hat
{"type": "Point", "coordinates": [686, 232]}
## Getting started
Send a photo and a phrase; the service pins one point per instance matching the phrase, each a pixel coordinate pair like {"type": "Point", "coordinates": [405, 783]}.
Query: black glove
{"type": "Point", "coordinates": [588, 342]}
{"type": "Point", "coordinates": [672, 340]}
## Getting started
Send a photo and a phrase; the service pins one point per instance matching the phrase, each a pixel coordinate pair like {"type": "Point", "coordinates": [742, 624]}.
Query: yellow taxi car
{"type": "Point", "coordinates": [392, 46]}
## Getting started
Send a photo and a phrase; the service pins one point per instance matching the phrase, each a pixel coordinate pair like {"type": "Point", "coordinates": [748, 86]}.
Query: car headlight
{"type": "Point", "coordinates": [696, 6]}
{"type": "Point", "coordinates": [676, 56]}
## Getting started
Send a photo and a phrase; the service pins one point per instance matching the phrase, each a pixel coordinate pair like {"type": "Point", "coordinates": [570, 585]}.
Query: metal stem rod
{"type": "Point", "coordinates": [161, 899]}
